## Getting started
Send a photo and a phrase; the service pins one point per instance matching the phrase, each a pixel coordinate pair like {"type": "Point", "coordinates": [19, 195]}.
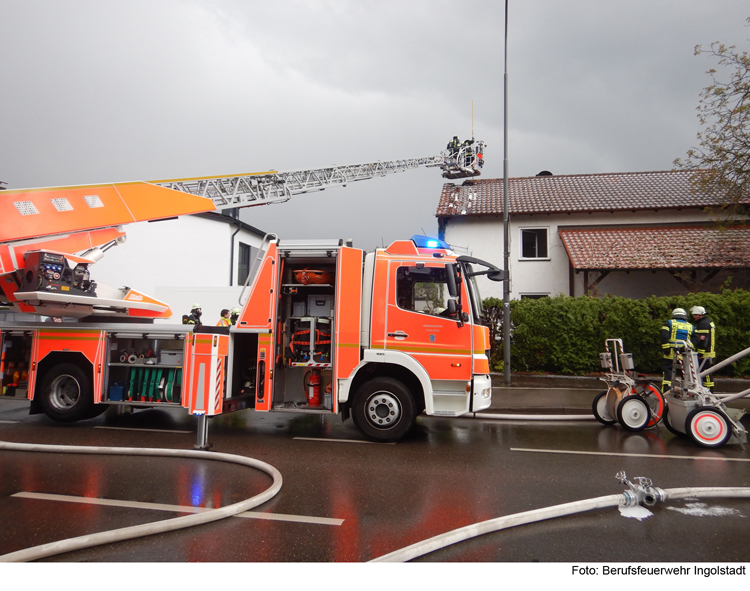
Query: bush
{"type": "Point", "coordinates": [564, 335]}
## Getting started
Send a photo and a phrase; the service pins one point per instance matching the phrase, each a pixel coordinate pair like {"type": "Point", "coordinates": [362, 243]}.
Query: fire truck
{"type": "Point", "coordinates": [324, 327]}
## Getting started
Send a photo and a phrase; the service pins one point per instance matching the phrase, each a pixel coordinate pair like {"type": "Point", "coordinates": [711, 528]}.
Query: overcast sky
{"type": "Point", "coordinates": [95, 91]}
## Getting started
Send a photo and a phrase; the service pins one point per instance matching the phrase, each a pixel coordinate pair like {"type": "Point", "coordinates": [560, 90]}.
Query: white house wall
{"type": "Point", "coordinates": [174, 256]}
{"type": "Point", "coordinates": [483, 237]}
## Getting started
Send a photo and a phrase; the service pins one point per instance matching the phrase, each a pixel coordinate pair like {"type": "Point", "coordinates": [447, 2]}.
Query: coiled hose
{"type": "Point", "coordinates": [147, 529]}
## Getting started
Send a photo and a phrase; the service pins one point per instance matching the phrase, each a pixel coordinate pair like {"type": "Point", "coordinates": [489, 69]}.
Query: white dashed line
{"type": "Point", "coordinates": [138, 429]}
{"type": "Point", "coordinates": [343, 440]}
{"type": "Point", "coordinates": [174, 508]}
{"type": "Point", "coordinates": [627, 455]}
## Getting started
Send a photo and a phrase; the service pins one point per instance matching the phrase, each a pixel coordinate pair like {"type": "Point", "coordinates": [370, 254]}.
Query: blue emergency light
{"type": "Point", "coordinates": [428, 242]}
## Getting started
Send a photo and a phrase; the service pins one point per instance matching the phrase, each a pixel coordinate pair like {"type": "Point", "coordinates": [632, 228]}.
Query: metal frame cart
{"type": "Point", "coordinates": [629, 399]}
{"type": "Point", "coordinates": [692, 409]}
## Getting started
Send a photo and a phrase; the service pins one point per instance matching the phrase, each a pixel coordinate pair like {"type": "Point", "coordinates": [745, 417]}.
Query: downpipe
{"type": "Point", "coordinates": [641, 493]}
{"type": "Point", "coordinates": [147, 529]}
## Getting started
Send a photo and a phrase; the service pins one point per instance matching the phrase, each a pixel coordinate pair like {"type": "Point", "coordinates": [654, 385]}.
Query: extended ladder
{"type": "Point", "coordinates": [246, 190]}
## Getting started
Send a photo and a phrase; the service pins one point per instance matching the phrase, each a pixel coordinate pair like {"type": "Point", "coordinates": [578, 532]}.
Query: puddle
{"type": "Point", "coordinates": [703, 510]}
{"type": "Point", "coordinates": [636, 512]}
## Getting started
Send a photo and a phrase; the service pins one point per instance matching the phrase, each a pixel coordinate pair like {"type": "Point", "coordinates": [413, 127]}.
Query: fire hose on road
{"type": "Point", "coordinates": [147, 529]}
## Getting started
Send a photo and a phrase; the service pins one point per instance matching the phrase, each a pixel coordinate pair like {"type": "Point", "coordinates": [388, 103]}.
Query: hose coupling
{"type": "Point", "coordinates": [654, 495]}
{"type": "Point", "coordinates": [642, 492]}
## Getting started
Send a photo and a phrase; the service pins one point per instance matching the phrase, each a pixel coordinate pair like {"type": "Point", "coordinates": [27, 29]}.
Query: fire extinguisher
{"type": "Point", "coordinates": [313, 388]}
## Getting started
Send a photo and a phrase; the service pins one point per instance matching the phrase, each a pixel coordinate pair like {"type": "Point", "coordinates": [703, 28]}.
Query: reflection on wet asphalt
{"type": "Point", "coordinates": [373, 498]}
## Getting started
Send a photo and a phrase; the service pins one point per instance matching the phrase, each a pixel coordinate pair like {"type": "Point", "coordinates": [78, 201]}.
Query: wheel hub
{"type": "Point", "coordinates": [383, 410]}
{"type": "Point", "coordinates": [64, 392]}
{"type": "Point", "coordinates": [708, 426]}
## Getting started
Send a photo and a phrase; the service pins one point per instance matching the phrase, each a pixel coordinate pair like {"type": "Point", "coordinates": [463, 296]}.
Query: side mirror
{"type": "Point", "coordinates": [452, 280]}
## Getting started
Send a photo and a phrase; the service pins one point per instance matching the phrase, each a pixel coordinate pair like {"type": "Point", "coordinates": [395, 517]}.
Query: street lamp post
{"type": "Point", "coordinates": [506, 219]}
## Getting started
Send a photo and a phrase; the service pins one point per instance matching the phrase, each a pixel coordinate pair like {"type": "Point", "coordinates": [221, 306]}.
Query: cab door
{"type": "Point", "coordinates": [418, 322]}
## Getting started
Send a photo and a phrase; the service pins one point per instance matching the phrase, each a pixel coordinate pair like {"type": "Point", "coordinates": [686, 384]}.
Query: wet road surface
{"type": "Point", "coordinates": [348, 500]}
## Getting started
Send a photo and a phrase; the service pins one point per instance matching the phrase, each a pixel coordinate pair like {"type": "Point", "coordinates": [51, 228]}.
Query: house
{"type": "Point", "coordinates": [628, 234]}
{"type": "Point", "coordinates": [202, 258]}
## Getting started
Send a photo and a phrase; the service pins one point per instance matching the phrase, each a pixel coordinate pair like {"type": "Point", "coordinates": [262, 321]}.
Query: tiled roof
{"type": "Point", "coordinates": [658, 247]}
{"type": "Point", "coordinates": [629, 191]}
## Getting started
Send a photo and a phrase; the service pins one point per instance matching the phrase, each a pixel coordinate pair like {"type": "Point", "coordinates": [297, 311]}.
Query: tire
{"type": "Point", "coordinates": [655, 400]}
{"type": "Point", "coordinates": [383, 409]}
{"type": "Point", "coordinates": [599, 408]}
{"type": "Point", "coordinates": [66, 394]}
{"type": "Point", "coordinates": [633, 413]}
{"type": "Point", "coordinates": [668, 424]}
{"type": "Point", "coordinates": [708, 426]}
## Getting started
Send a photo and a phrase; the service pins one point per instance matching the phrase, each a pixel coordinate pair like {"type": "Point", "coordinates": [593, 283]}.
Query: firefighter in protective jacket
{"type": "Point", "coordinates": [704, 341]}
{"type": "Point", "coordinates": [674, 330]}
{"type": "Point", "coordinates": [195, 315]}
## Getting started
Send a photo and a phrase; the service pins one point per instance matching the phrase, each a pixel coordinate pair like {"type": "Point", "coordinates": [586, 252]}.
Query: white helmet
{"type": "Point", "coordinates": [196, 305]}
{"type": "Point", "coordinates": [679, 313]}
{"type": "Point", "coordinates": [698, 310]}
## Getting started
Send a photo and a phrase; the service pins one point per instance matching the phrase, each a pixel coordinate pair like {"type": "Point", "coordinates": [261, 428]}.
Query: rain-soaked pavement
{"type": "Point", "coordinates": [347, 500]}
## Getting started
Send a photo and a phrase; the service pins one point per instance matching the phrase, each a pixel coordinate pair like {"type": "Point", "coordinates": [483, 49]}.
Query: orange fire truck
{"type": "Point", "coordinates": [324, 327]}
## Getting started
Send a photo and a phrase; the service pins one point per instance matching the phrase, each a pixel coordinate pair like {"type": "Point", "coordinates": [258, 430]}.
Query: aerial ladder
{"type": "Point", "coordinates": [50, 236]}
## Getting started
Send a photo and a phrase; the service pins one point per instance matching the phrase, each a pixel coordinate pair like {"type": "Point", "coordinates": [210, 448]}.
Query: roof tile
{"type": "Point", "coordinates": [629, 191]}
{"type": "Point", "coordinates": [658, 247]}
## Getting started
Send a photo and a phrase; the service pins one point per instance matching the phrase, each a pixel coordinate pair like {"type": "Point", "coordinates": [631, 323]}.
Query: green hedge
{"type": "Point", "coordinates": [564, 335]}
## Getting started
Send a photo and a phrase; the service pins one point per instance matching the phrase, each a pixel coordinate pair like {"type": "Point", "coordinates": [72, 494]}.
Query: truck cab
{"type": "Point", "coordinates": [380, 337]}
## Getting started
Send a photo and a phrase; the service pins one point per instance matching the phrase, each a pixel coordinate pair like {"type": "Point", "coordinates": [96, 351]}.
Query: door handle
{"type": "Point", "coordinates": [399, 335]}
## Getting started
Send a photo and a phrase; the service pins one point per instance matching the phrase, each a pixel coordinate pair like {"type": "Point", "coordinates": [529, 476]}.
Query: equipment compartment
{"type": "Point", "coordinates": [144, 368]}
{"type": "Point", "coordinates": [304, 360]}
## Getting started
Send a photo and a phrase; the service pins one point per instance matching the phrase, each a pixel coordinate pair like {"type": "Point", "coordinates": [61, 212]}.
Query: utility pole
{"type": "Point", "coordinates": [506, 219]}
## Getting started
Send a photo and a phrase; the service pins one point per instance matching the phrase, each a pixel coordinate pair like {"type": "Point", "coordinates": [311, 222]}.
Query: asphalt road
{"type": "Point", "coordinates": [347, 500]}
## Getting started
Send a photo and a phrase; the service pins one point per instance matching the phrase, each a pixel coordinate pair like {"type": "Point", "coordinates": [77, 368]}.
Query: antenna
{"type": "Point", "coordinates": [472, 119]}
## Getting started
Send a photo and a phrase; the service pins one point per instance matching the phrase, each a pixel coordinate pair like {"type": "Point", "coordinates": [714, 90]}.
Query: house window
{"type": "Point", "coordinates": [534, 296]}
{"type": "Point", "coordinates": [243, 263]}
{"type": "Point", "coordinates": [534, 243]}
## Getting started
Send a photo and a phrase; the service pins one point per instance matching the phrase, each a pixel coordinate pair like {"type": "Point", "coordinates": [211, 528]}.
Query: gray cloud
{"type": "Point", "coordinates": [129, 90]}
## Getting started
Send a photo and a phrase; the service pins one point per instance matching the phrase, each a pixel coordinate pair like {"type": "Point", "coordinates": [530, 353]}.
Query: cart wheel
{"type": "Point", "coordinates": [633, 413]}
{"type": "Point", "coordinates": [708, 426]}
{"type": "Point", "coordinates": [667, 422]}
{"type": "Point", "coordinates": [599, 407]}
{"type": "Point", "coordinates": [656, 405]}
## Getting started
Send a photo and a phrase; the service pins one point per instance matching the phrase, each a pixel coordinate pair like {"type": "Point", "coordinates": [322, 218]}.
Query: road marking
{"type": "Point", "coordinates": [344, 440]}
{"type": "Point", "coordinates": [175, 508]}
{"type": "Point", "coordinates": [602, 453]}
{"type": "Point", "coordinates": [9, 422]}
{"type": "Point", "coordinates": [139, 429]}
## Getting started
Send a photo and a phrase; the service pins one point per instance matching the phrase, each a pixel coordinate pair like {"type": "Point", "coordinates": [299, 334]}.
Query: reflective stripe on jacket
{"type": "Point", "coordinates": [704, 337]}
{"type": "Point", "coordinates": [674, 330]}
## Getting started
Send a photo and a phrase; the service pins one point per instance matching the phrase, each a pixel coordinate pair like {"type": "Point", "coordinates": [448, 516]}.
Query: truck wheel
{"type": "Point", "coordinates": [708, 426]}
{"type": "Point", "coordinates": [383, 409]}
{"type": "Point", "coordinates": [66, 394]}
{"type": "Point", "coordinates": [599, 407]}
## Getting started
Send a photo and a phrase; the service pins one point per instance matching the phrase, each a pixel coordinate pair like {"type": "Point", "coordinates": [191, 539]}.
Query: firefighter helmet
{"type": "Point", "coordinates": [235, 311]}
{"type": "Point", "coordinates": [698, 310]}
{"type": "Point", "coordinates": [679, 313]}
{"type": "Point", "coordinates": [195, 306]}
